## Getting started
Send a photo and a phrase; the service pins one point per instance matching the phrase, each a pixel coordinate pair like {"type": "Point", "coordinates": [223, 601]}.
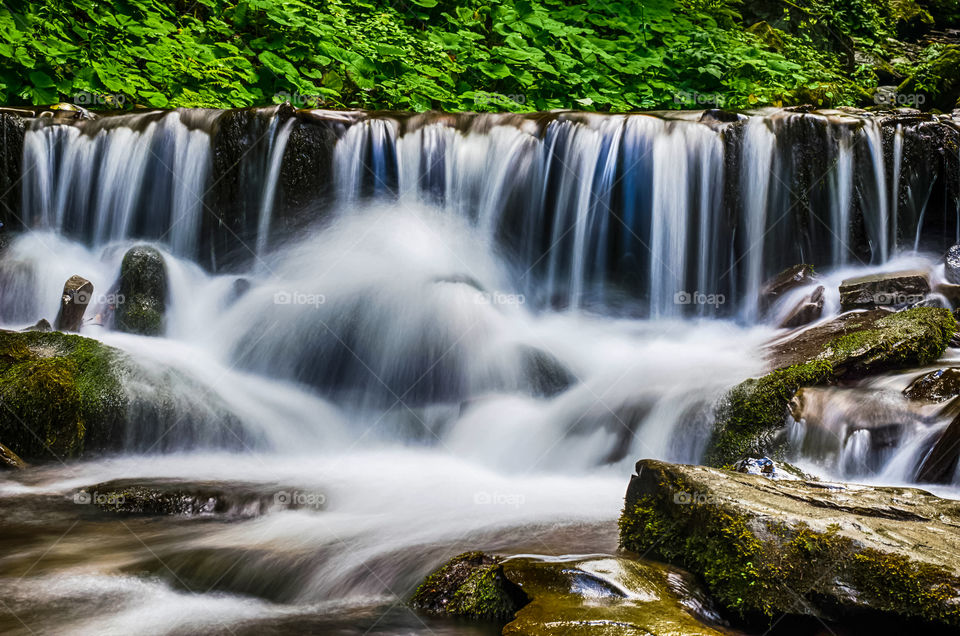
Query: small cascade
{"type": "Point", "coordinates": [756, 173]}
{"type": "Point", "coordinates": [278, 145]}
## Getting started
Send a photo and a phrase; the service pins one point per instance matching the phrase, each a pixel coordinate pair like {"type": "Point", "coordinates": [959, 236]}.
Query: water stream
{"type": "Point", "coordinates": [467, 346]}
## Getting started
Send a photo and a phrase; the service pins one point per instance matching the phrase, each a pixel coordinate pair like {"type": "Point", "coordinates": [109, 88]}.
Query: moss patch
{"type": "Point", "coordinates": [761, 564]}
{"type": "Point", "coordinates": [59, 394]}
{"type": "Point", "coordinates": [754, 410]}
{"type": "Point", "coordinates": [471, 585]}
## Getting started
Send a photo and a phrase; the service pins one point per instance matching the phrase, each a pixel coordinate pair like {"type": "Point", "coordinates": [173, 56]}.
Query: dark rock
{"type": "Point", "coordinates": [42, 325]}
{"type": "Point", "coordinates": [884, 290]}
{"type": "Point", "coordinates": [952, 265]}
{"type": "Point", "coordinates": [142, 292]}
{"type": "Point", "coordinates": [851, 552]}
{"type": "Point", "coordinates": [940, 464]}
{"type": "Point", "coordinates": [546, 375]}
{"type": "Point", "coordinates": [719, 116]}
{"type": "Point", "coordinates": [850, 346]}
{"type": "Point", "coordinates": [9, 460]}
{"type": "Point", "coordinates": [756, 466]}
{"type": "Point", "coordinates": [607, 596]}
{"type": "Point", "coordinates": [936, 386]}
{"type": "Point", "coordinates": [787, 280]}
{"type": "Point", "coordinates": [806, 311]}
{"type": "Point", "coordinates": [240, 287]}
{"type": "Point", "coordinates": [61, 394]}
{"type": "Point", "coordinates": [77, 292]}
{"type": "Point", "coordinates": [470, 585]}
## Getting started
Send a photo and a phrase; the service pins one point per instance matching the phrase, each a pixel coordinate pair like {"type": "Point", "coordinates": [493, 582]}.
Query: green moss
{"type": "Point", "coordinates": [59, 393]}
{"type": "Point", "coordinates": [143, 289]}
{"type": "Point", "coordinates": [757, 568]}
{"type": "Point", "coordinates": [471, 585]}
{"type": "Point", "coordinates": [754, 410]}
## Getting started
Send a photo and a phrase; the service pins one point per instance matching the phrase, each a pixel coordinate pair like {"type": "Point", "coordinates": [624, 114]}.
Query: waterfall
{"type": "Point", "coordinates": [634, 211]}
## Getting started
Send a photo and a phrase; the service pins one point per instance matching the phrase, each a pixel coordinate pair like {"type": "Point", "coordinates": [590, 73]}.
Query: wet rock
{"type": "Point", "coordinates": [784, 282]}
{"type": "Point", "coordinates": [177, 498]}
{"type": "Point", "coordinates": [546, 375]}
{"type": "Point", "coordinates": [607, 596]}
{"type": "Point", "coordinates": [850, 552]}
{"type": "Point", "coordinates": [950, 292]}
{"type": "Point", "coordinates": [756, 466]}
{"type": "Point", "coordinates": [851, 346]}
{"type": "Point", "coordinates": [9, 460]}
{"type": "Point", "coordinates": [884, 290]}
{"type": "Point", "coordinates": [471, 585]}
{"type": "Point", "coordinates": [940, 465]}
{"type": "Point", "coordinates": [77, 292]}
{"type": "Point", "coordinates": [936, 386]}
{"type": "Point", "coordinates": [952, 265]}
{"type": "Point", "coordinates": [142, 290]}
{"type": "Point", "coordinates": [806, 311]}
{"type": "Point", "coordinates": [42, 325]}
{"type": "Point", "coordinates": [61, 394]}
{"type": "Point", "coordinates": [240, 288]}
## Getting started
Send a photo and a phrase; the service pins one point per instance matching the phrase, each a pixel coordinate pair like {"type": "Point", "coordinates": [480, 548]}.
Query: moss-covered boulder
{"type": "Point", "coordinates": [607, 596]}
{"type": "Point", "coordinates": [60, 394]}
{"type": "Point", "coordinates": [187, 499]}
{"type": "Point", "coordinates": [853, 345]}
{"type": "Point", "coordinates": [142, 292]}
{"type": "Point", "coordinates": [471, 585]}
{"type": "Point", "coordinates": [765, 548]}
{"type": "Point", "coordinates": [937, 80]}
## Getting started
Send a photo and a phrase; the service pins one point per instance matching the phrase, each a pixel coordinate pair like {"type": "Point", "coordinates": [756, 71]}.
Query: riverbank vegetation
{"type": "Point", "coordinates": [484, 55]}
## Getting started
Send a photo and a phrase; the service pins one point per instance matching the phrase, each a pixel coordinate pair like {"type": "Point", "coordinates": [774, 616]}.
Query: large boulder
{"type": "Point", "coordinates": [77, 292]}
{"type": "Point", "coordinates": [895, 289]}
{"type": "Point", "coordinates": [142, 292]}
{"type": "Point", "coordinates": [851, 346]}
{"type": "Point", "coordinates": [768, 549]}
{"type": "Point", "coordinates": [61, 394]}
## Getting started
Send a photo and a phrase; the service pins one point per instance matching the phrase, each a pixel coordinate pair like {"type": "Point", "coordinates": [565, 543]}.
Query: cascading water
{"type": "Point", "coordinates": [455, 350]}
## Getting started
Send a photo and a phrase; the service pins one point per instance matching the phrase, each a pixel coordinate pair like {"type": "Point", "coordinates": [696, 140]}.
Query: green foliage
{"type": "Point", "coordinates": [520, 55]}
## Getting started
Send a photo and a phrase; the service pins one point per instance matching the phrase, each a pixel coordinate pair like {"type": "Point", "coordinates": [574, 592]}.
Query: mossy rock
{"type": "Point", "coordinates": [606, 596]}
{"type": "Point", "coordinates": [937, 80]}
{"type": "Point", "coordinates": [471, 585]}
{"type": "Point", "coordinates": [852, 346]}
{"type": "Point", "coordinates": [835, 552]}
{"type": "Point", "coordinates": [59, 394]}
{"type": "Point", "coordinates": [142, 291]}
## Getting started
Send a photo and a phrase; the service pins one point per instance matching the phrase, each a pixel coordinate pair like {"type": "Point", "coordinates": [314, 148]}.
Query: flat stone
{"type": "Point", "coordinates": [894, 289]}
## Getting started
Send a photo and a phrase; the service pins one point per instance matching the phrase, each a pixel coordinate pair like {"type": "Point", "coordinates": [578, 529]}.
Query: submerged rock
{"type": "Point", "coordinates": [844, 551]}
{"type": "Point", "coordinates": [784, 282]}
{"type": "Point", "coordinates": [60, 393]}
{"type": "Point", "coordinates": [142, 290]}
{"type": "Point", "coordinates": [936, 386]}
{"type": "Point", "coordinates": [806, 311]}
{"type": "Point", "coordinates": [851, 346]}
{"type": "Point", "coordinates": [606, 596]}
{"type": "Point", "coordinates": [77, 292]}
{"type": "Point", "coordinates": [470, 585]}
{"type": "Point", "coordinates": [884, 290]}
{"type": "Point", "coordinates": [41, 325]}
